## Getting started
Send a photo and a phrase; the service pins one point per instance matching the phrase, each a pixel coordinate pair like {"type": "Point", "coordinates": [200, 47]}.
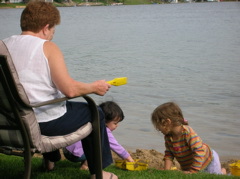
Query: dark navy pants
{"type": "Point", "coordinates": [78, 114]}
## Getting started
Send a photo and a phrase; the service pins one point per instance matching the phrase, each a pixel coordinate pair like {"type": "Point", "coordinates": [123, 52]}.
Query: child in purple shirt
{"type": "Point", "coordinates": [113, 115]}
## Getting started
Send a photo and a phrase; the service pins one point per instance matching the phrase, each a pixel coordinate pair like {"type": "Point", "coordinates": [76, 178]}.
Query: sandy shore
{"type": "Point", "coordinates": [155, 158]}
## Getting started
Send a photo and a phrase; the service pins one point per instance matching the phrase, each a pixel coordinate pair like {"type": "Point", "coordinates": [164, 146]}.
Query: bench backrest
{"type": "Point", "coordinates": [13, 104]}
{"type": "Point", "coordinates": [16, 110]}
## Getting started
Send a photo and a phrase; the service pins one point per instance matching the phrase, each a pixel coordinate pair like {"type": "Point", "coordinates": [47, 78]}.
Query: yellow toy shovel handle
{"type": "Point", "coordinates": [118, 81]}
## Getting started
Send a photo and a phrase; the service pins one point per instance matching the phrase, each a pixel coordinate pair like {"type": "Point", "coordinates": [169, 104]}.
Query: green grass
{"type": "Point", "coordinates": [136, 2]}
{"type": "Point", "coordinates": [11, 5]}
{"type": "Point", "coordinates": [12, 167]}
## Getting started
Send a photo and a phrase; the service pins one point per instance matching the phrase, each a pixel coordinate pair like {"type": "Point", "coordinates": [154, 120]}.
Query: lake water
{"type": "Point", "coordinates": [188, 53]}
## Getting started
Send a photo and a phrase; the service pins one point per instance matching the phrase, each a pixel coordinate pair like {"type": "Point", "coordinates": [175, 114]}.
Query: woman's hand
{"type": "Point", "coordinates": [100, 87]}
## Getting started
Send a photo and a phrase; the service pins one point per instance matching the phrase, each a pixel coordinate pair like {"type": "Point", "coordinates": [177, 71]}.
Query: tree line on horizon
{"type": "Point", "coordinates": [127, 2]}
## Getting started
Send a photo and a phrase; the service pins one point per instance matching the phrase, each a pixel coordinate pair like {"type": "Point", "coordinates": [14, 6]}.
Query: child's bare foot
{"type": "Point", "coordinates": [224, 171]}
{"type": "Point", "coordinates": [48, 165]}
{"type": "Point", "coordinates": [84, 166]}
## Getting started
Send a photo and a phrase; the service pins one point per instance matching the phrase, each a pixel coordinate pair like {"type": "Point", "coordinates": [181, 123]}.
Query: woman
{"type": "Point", "coordinates": [44, 76]}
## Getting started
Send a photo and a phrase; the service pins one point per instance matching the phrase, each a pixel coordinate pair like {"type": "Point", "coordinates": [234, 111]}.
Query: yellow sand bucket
{"type": "Point", "coordinates": [132, 166]}
{"type": "Point", "coordinates": [235, 168]}
{"type": "Point", "coordinates": [118, 81]}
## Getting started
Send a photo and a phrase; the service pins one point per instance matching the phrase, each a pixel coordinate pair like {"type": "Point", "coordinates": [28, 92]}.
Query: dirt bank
{"type": "Point", "coordinates": [154, 158]}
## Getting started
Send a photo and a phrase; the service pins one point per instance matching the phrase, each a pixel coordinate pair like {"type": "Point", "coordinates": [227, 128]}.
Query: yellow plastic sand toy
{"type": "Point", "coordinates": [173, 168]}
{"type": "Point", "coordinates": [235, 168]}
{"type": "Point", "coordinates": [118, 81]}
{"type": "Point", "coordinates": [132, 166]}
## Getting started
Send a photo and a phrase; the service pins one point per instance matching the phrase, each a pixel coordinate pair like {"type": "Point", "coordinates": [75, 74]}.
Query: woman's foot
{"type": "Point", "coordinates": [106, 175]}
{"type": "Point", "coordinates": [48, 165]}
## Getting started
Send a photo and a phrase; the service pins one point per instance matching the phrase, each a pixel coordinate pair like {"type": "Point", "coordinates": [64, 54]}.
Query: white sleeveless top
{"type": "Point", "coordinates": [34, 74]}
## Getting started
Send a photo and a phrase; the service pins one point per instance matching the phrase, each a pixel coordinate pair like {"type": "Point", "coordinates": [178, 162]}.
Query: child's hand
{"type": "Point", "coordinates": [130, 159]}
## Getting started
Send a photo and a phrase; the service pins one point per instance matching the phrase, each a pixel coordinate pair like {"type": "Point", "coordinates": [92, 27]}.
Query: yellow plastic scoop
{"type": "Point", "coordinates": [137, 165]}
{"type": "Point", "coordinates": [118, 81]}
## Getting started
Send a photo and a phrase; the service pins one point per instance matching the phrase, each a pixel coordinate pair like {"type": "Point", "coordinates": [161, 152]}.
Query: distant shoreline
{"type": "Point", "coordinates": [74, 4]}
{"type": "Point", "coordinates": [19, 6]}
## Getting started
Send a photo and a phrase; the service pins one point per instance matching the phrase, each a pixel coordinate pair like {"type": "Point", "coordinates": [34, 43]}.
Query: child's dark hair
{"type": "Point", "coordinates": [170, 111]}
{"type": "Point", "coordinates": [112, 111]}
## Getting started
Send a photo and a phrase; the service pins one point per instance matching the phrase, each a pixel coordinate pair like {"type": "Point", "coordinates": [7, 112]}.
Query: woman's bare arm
{"type": "Point", "coordinates": [63, 81]}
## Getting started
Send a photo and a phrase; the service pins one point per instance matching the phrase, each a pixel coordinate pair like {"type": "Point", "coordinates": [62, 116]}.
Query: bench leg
{"type": "Point", "coordinates": [27, 164]}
